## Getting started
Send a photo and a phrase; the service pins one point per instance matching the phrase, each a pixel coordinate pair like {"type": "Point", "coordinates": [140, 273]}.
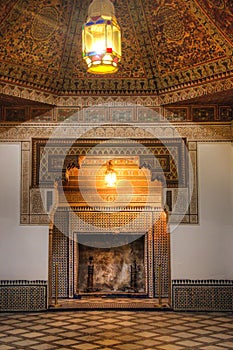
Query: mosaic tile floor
{"type": "Point", "coordinates": [106, 330]}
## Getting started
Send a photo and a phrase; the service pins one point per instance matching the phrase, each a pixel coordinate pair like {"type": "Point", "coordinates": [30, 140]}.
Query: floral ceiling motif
{"type": "Point", "coordinates": [221, 13]}
{"type": "Point", "coordinates": [166, 44]}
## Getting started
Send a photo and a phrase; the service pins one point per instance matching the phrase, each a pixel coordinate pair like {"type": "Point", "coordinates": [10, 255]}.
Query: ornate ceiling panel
{"type": "Point", "coordinates": [167, 44]}
{"type": "Point", "coordinates": [185, 44]}
{"type": "Point", "coordinates": [221, 13]}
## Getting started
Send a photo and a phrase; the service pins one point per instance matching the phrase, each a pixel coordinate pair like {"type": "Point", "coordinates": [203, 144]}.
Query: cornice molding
{"type": "Point", "coordinates": [28, 93]}
{"type": "Point", "coordinates": [166, 96]}
{"type": "Point", "coordinates": [172, 95]}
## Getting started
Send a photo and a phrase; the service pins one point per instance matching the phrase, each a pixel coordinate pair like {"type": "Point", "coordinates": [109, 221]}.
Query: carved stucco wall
{"type": "Point", "coordinates": [115, 118]}
{"type": "Point", "coordinates": [31, 204]}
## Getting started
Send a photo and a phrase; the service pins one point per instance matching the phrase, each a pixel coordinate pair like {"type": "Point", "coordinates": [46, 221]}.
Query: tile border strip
{"type": "Point", "coordinates": [202, 295]}
{"type": "Point", "coordinates": [23, 295]}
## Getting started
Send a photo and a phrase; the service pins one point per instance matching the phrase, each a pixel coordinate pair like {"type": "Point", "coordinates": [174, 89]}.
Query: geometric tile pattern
{"type": "Point", "coordinates": [23, 295]}
{"type": "Point", "coordinates": [116, 330]}
{"type": "Point", "coordinates": [60, 248]}
{"type": "Point", "coordinates": [161, 259]}
{"type": "Point", "coordinates": [207, 295]}
{"type": "Point", "coordinates": [64, 253]}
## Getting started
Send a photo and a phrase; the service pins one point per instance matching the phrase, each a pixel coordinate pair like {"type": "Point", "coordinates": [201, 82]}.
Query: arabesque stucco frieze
{"type": "Point", "coordinates": [192, 131]}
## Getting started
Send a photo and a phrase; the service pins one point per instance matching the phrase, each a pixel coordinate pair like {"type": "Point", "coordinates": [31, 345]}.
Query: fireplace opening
{"type": "Point", "coordinates": [116, 270]}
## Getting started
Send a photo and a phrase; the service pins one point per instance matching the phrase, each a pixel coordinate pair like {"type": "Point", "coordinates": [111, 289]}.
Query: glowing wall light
{"type": "Point", "coordinates": [110, 175]}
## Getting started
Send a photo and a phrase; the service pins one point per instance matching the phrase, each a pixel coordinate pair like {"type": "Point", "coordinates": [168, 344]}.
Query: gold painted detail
{"type": "Point", "coordinates": [45, 23]}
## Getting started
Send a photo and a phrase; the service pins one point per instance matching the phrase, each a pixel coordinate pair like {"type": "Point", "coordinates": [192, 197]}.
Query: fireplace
{"type": "Point", "coordinates": [88, 215]}
{"type": "Point", "coordinates": [133, 263]}
{"type": "Point", "coordinates": [115, 270]}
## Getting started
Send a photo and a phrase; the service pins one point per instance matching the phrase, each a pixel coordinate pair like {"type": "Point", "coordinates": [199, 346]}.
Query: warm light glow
{"type": "Point", "coordinates": [110, 179]}
{"type": "Point", "coordinates": [110, 175]}
{"type": "Point", "coordinates": [164, 215]}
{"type": "Point", "coordinates": [101, 38]}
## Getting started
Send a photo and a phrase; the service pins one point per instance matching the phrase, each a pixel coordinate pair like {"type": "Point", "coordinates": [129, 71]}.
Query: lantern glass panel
{"type": "Point", "coordinates": [116, 40]}
{"type": "Point", "coordinates": [95, 38]}
{"type": "Point", "coordinates": [109, 36]}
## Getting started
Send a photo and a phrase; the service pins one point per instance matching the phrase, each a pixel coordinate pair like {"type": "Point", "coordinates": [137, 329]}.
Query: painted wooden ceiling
{"type": "Point", "coordinates": [166, 44]}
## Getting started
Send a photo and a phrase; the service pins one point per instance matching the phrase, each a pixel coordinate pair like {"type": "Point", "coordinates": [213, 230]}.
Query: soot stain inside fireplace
{"type": "Point", "coordinates": [117, 269]}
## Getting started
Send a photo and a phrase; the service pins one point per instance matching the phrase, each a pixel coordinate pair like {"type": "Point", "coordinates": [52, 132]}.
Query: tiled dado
{"type": "Point", "coordinates": [23, 295]}
{"type": "Point", "coordinates": [187, 295]}
{"type": "Point", "coordinates": [202, 295]}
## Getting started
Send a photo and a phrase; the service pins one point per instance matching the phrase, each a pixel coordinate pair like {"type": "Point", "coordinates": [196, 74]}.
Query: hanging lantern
{"type": "Point", "coordinates": [110, 175]}
{"type": "Point", "coordinates": [101, 38]}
